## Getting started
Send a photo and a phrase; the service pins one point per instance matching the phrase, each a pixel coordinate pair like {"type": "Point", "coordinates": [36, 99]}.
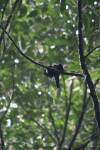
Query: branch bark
{"type": "Point", "coordinates": [84, 67]}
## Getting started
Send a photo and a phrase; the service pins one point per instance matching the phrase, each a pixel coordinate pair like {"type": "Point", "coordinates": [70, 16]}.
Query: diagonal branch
{"type": "Point", "coordinates": [85, 102]}
{"type": "Point", "coordinates": [4, 8]}
{"type": "Point", "coordinates": [84, 67]}
{"type": "Point", "coordinates": [79, 121]}
{"type": "Point", "coordinates": [92, 8]}
{"type": "Point", "coordinates": [4, 51]}
{"type": "Point", "coordinates": [8, 20]}
{"type": "Point", "coordinates": [72, 74]}
{"type": "Point", "coordinates": [52, 120]}
{"type": "Point", "coordinates": [93, 136]}
{"type": "Point", "coordinates": [92, 51]}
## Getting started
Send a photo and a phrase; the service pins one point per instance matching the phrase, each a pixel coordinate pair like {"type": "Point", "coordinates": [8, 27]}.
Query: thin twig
{"type": "Point", "coordinates": [2, 139]}
{"type": "Point", "coordinates": [66, 118]}
{"type": "Point", "coordinates": [4, 8]}
{"type": "Point", "coordinates": [79, 121]}
{"type": "Point", "coordinates": [92, 8]}
{"type": "Point", "coordinates": [52, 120]}
{"type": "Point", "coordinates": [93, 136]}
{"type": "Point", "coordinates": [11, 96]}
{"type": "Point", "coordinates": [8, 20]}
{"type": "Point", "coordinates": [92, 51]}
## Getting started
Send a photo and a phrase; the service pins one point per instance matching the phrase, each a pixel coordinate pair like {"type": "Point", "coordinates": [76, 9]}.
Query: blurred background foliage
{"type": "Point", "coordinates": [32, 111]}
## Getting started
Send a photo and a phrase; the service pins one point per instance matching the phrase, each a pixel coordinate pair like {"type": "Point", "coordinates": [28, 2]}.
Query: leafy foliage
{"type": "Point", "coordinates": [37, 113]}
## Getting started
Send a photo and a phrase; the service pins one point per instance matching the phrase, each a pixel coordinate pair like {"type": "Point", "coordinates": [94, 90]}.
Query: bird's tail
{"type": "Point", "coordinates": [57, 81]}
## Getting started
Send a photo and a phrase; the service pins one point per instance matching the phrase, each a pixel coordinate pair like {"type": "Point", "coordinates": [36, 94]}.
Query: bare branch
{"type": "Point", "coordinates": [92, 51]}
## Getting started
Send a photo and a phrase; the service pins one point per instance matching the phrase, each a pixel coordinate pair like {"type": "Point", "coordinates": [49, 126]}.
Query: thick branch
{"type": "Point", "coordinates": [81, 116]}
{"type": "Point", "coordinates": [84, 67]}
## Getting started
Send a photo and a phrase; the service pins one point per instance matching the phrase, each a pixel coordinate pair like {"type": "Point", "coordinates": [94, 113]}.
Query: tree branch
{"type": "Point", "coordinates": [4, 51]}
{"type": "Point", "coordinates": [93, 136]}
{"type": "Point", "coordinates": [72, 74]}
{"type": "Point", "coordinates": [92, 51]}
{"type": "Point", "coordinates": [8, 20]}
{"type": "Point", "coordinates": [92, 8]}
{"type": "Point", "coordinates": [31, 118]}
{"type": "Point", "coordinates": [52, 120]}
{"type": "Point", "coordinates": [4, 8]}
{"type": "Point", "coordinates": [11, 95]}
{"type": "Point", "coordinates": [66, 118]}
{"type": "Point", "coordinates": [84, 67]}
{"type": "Point", "coordinates": [1, 137]}
{"type": "Point", "coordinates": [79, 121]}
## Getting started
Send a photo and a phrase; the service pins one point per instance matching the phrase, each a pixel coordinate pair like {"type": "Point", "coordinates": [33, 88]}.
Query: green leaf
{"type": "Point", "coordinates": [23, 42]}
{"type": "Point", "coordinates": [22, 11]}
{"type": "Point", "coordinates": [9, 135]}
{"type": "Point", "coordinates": [97, 63]}
{"type": "Point", "coordinates": [95, 76]}
{"type": "Point", "coordinates": [33, 13]}
{"type": "Point", "coordinates": [86, 22]}
{"type": "Point", "coordinates": [55, 24]}
{"type": "Point", "coordinates": [76, 60]}
{"type": "Point", "coordinates": [75, 67]}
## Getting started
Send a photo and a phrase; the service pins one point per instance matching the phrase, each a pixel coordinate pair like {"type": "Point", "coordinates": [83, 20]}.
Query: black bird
{"type": "Point", "coordinates": [50, 73]}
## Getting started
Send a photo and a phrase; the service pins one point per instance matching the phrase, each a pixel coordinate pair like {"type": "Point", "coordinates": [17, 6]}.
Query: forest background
{"type": "Point", "coordinates": [34, 114]}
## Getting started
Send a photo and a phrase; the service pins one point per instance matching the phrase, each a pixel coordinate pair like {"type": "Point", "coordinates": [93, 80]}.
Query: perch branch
{"type": "Point", "coordinates": [72, 74]}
